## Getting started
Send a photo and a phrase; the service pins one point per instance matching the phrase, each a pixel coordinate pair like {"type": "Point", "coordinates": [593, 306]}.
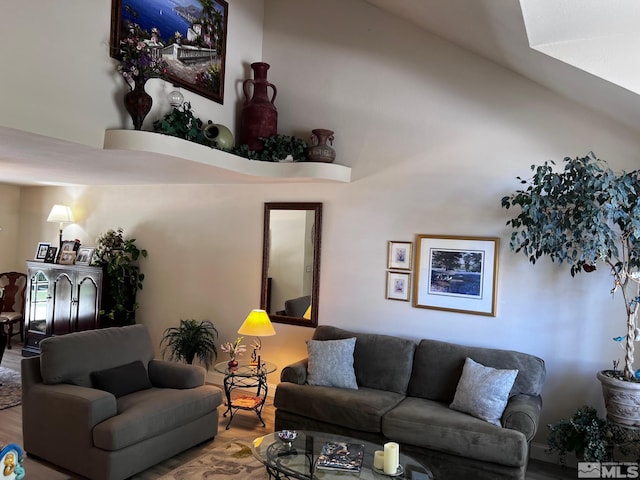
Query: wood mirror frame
{"type": "Point", "coordinates": [312, 232]}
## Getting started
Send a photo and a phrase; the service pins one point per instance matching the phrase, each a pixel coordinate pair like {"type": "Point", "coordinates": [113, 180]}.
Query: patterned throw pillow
{"type": "Point", "coordinates": [483, 391]}
{"type": "Point", "coordinates": [331, 363]}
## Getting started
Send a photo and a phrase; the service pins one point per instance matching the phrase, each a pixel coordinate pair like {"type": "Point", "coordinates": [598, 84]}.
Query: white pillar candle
{"type": "Point", "coordinates": [378, 459]}
{"type": "Point", "coordinates": [391, 458]}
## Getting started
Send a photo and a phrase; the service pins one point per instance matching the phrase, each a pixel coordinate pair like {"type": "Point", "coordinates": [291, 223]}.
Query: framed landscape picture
{"type": "Point", "coordinates": [191, 37]}
{"type": "Point", "coordinates": [456, 274]}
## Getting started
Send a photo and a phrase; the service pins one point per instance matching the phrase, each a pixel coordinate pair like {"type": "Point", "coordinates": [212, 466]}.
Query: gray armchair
{"type": "Point", "coordinates": [143, 410]}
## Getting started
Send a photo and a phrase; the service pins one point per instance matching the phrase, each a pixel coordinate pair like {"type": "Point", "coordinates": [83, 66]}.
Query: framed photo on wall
{"type": "Point", "coordinates": [41, 251]}
{"type": "Point", "coordinates": [456, 274]}
{"type": "Point", "coordinates": [398, 286]}
{"type": "Point", "coordinates": [190, 35]}
{"type": "Point", "coordinates": [399, 255]}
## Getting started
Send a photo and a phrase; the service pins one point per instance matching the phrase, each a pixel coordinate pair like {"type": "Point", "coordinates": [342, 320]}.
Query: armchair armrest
{"type": "Point", "coordinates": [165, 374]}
{"type": "Point", "coordinates": [523, 414]}
{"type": "Point", "coordinates": [62, 417]}
{"type": "Point", "coordinates": [295, 373]}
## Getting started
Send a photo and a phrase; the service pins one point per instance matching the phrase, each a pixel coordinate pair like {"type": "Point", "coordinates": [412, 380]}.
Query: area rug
{"type": "Point", "coordinates": [11, 388]}
{"type": "Point", "coordinates": [229, 461]}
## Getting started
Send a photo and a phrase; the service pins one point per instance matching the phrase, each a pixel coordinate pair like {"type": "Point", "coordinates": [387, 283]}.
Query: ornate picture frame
{"type": "Point", "coordinates": [456, 274]}
{"type": "Point", "coordinates": [192, 39]}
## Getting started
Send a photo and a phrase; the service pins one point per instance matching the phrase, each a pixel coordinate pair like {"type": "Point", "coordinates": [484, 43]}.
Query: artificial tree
{"type": "Point", "coordinates": [582, 216]}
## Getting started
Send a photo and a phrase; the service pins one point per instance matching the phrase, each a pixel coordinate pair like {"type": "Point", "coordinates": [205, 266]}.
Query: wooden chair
{"type": "Point", "coordinates": [13, 300]}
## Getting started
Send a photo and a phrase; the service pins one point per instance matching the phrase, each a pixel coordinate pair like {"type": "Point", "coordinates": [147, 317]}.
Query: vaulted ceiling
{"type": "Point", "coordinates": [585, 50]}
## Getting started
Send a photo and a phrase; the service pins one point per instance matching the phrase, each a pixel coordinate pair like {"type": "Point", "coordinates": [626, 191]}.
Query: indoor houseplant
{"type": "Point", "coordinates": [585, 215]}
{"type": "Point", "coordinates": [191, 339]}
{"type": "Point", "coordinates": [118, 258]}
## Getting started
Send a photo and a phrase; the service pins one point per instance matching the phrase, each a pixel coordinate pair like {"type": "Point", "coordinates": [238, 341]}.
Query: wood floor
{"type": "Point", "coordinates": [245, 426]}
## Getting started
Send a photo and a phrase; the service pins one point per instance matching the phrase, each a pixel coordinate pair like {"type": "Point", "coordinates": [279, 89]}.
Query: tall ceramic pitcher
{"type": "Point", "coordinates": [259, 116]}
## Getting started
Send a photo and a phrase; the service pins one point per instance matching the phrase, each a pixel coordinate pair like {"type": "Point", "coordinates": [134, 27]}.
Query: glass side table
{"type": "Point", "coordinates": [245, 376]}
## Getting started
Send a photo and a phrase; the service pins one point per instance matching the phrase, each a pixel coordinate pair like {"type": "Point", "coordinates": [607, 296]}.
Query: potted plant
{"type": "Point", "coordinates": [592, 438]}
{"type": "Point", "coordinates": [191, 339]}
{"type": "Point", "coordinates": [122, 277]}
{"type": "Point", "coordinates": [234, 350]}
{"type": "Point", "coordinates": [583, 216]}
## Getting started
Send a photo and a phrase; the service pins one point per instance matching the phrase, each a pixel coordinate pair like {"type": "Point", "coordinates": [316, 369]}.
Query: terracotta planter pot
{"type": "Point", "coordinates": [622, 400]}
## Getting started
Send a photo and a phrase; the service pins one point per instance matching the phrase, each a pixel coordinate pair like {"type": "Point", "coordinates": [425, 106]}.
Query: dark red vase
{"type": "Point", "coordinates": [138, 104]}
{"type": "Point", "coordinates": [259, 116]}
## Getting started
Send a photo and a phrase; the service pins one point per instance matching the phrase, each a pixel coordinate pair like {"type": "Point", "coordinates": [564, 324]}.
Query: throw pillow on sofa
{"type": "Point", "coordinates": [483, 391]}
{"type": "Point", "coordinates": [122, 380]}
{"type": "Point", "coordinates": [331, 363]}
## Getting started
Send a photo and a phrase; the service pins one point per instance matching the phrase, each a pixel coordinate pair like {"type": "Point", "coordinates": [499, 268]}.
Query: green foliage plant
{"type": "Point", "coordinates": [276, 148]}
{"type": "Point", "coordinates": [118, 258]}
{"type": "Point", "coordinates": [583, 215]}
{"type": "Point", "coordinates": [191, 339]}
{"type": "Point", "coordinates": [591, 438]}
{"type": "Point", "coordinates": [182, 123]}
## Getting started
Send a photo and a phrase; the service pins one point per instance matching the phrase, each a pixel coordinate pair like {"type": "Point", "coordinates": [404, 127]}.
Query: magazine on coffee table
{"type": "Point", "coordinates": [341, 456]}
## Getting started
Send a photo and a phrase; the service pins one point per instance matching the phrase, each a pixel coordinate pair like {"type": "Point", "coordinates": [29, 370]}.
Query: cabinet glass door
{"type": "Point", "coordinates": [38, 305]}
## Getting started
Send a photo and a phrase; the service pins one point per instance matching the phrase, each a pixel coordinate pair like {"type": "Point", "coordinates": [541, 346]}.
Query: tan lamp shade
{"type": "Point", "coordinates": [257, 324]}
{"type": "Point", "coordinates": [60, 214]}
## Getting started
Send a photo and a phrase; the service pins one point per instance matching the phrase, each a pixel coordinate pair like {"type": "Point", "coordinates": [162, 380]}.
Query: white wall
{"type": "Point", "coordinates": [435, 137]}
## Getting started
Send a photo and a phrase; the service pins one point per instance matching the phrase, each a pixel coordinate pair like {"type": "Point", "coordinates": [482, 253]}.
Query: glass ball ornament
{"type": "Point", "coordinates": [175, 98]}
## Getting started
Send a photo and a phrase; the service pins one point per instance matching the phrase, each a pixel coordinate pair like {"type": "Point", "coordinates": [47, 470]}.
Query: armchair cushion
{"type": "Point", "coordinates": [122, 380]}
{"type": "Point", "coordinates": [165, 374]}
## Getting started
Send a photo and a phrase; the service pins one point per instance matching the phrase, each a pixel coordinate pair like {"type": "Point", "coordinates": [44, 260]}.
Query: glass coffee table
{"type": "Point", "coordinates": [296, 460]}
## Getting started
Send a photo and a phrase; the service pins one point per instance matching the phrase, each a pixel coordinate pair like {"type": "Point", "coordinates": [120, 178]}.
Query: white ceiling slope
{"type": "Point", "coordinates": [582, 49]}
{"type": "Point", "coordinates": [589, 47]}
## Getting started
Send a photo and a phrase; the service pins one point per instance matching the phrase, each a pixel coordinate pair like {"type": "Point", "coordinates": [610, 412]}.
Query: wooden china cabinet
{"type": "Point", "coordinates": [60, 299]}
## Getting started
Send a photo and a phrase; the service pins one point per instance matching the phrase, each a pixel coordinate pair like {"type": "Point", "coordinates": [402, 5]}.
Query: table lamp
{"type": "Point", "coordinates": [257, 324]}
{"type": "Point", "coordinates": [60, 214]}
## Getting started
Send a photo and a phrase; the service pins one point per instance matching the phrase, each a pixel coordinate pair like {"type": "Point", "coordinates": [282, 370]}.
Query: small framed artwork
{"type": "Point", "coordinates": [50, 257]}
{"type": "Point", "coordinates": [456, 274]}
{"type": "Point", "coordinates": [85, 255]}
{"type": "Point", "coordinates": [67, 258]}
{"type": "Point", "coordinates": [399, 255]}
{"type": "Point", "coordinates": [398, 286]}
{"type": "Point", "coordinates": [41, 251]}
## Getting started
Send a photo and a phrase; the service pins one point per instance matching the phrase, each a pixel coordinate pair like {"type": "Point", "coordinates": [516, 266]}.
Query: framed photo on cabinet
{"type": "Point", "coordinates": [398, 286]}
{"type": "Point", "coordinates": [67, 257]}
{"type": "Point", "coordinates": [41, 251]}
{"type": "Point", "coordinates": [456, 274]}
{"type": "Point", "coordinates": [85, 255]}
{"type": "Point", "coordinates": [51, 255]}
{"type": "Point", "coordinates": [399, 255]}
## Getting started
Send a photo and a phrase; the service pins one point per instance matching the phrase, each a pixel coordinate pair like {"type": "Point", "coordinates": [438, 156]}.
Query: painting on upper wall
{"type": "Point", "coordinates": [456, 274]}
{"type": "Point", "coordinates": [189, 35]}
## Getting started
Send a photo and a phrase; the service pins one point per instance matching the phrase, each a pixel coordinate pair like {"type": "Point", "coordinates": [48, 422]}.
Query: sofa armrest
{"type": "Point", "coordinates": [165, 374]}
{"type": "Point", "coordinates": [523, 414]}
{"type": "Point", "coordinates": [295, 373]}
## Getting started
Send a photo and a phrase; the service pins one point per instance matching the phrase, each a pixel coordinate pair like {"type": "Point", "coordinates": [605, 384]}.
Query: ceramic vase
{"type": "Point", "coordinates": [138, 103]}
{"type": "Point", "coordinates": [621, 399]}
{"type": "Point", "coordinates": [319, 151]}
{"type": "Point", "coordinates": [233, 363]}
{"type": "Point", "coordinates": [218, 136]}
{"type": "Point", "coordinates": [259, 117]}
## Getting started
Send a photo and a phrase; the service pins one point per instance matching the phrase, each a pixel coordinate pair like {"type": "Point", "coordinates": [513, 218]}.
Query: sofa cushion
{"type": "Point", "coordinates": [381, 362]}
{"type": "Point", "coordinates": [331, 363]}
{"type": "Point", "coordinates": [149, 413]}
{"type": "Point", "coordinates": [71, 358]}
{"type": "Point", "coordinates": [483, 391]}
{"type": "Point", "coordinates": [432, 425]}
{"type": "Point", "coordinates": [360, 409]}
{"type": "Point", "coordinates": [123, 379]}
{"type": "Point", "coordinates": [438, 366]}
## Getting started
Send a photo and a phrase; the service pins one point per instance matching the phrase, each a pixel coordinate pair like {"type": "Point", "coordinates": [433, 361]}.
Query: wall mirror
{"type": "Point", "coordinates": [291, 262]}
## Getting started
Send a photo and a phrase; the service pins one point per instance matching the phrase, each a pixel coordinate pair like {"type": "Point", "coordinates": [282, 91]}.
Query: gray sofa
{"type": "Point", "coordinates": [146, 410]}
{"type": "Point", "coordinates": [403, 395]}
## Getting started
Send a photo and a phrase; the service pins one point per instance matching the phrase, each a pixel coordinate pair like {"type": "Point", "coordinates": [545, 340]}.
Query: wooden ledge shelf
{"type": "Point", "coordinates": [252, 171]}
